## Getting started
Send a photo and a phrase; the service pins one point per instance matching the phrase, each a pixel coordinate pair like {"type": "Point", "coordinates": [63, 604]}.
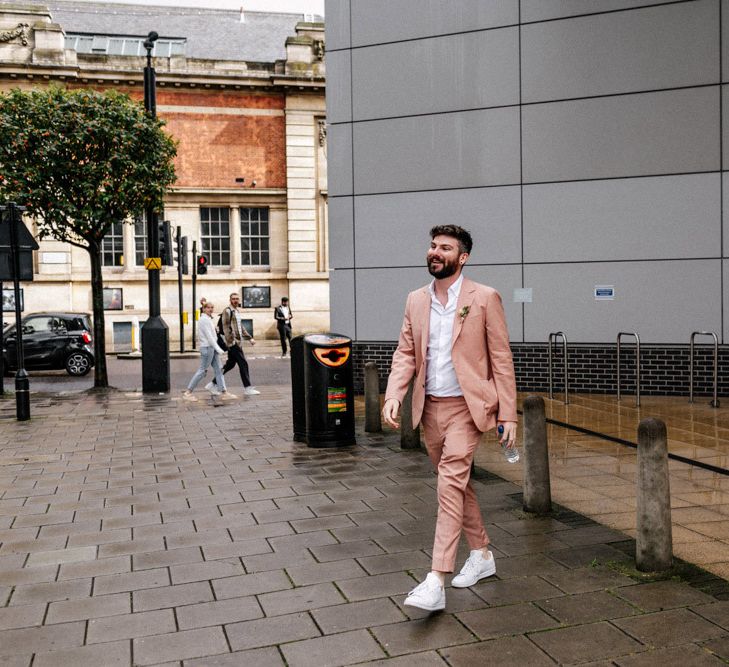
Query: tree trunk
{"type": "Point", "coordinates": [101, 379]}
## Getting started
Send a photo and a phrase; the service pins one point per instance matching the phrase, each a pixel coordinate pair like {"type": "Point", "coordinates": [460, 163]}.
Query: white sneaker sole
{"type": "Point", "coordinates": [438, 606]}
{"type": "Point", "coordinates": [467, 584]}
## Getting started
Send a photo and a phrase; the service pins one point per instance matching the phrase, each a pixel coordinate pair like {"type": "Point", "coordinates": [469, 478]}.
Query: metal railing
{"type": "Point", "coordinates": [552, 341]}
{"type": "Point", "coordinates": [715, 402]}
{"type": "Point", "coordinates": [637, 364]}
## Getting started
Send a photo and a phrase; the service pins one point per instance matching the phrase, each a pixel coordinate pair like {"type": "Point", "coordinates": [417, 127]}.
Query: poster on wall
{"type": "Point", "coordinates": [256, 297]}
{"type": "Point", "coordinates": [113, 298]}
{"type": "Point", "coordinates": [9, 301]}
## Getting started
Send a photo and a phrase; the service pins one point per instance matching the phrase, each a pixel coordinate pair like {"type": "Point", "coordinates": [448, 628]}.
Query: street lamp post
{"type": "Point", "coordinates": [22, 383]}
{"type": "Point", "coordinates": [155, 333]}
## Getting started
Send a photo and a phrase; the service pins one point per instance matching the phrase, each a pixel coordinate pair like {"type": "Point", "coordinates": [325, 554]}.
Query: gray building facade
{"type": "Point", "coordinates": [583, 143]}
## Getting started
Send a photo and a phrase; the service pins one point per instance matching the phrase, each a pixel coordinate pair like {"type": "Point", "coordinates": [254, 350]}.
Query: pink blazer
{"type": "Point", "coordinates": [480, 352]}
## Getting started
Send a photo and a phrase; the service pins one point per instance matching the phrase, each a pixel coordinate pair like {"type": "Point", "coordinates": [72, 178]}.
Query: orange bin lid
{"type": "Point", "coordinates": [332, 356]}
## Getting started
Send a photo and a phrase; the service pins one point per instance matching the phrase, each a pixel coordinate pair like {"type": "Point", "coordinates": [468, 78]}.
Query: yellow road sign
{"type": "Point", "coordinates": [152, 263]}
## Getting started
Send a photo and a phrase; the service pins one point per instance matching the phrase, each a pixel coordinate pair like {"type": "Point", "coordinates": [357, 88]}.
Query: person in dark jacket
{"type": "Point", "coordinates": [282, 315]}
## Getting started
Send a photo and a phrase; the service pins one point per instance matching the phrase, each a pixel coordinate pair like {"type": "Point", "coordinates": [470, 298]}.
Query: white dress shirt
{"type": "Point", "coordinates": [440, 376]}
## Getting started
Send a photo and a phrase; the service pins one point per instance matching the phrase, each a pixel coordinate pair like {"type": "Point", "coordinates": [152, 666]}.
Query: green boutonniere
{"type": "Point", "coordinates": [463, 312]}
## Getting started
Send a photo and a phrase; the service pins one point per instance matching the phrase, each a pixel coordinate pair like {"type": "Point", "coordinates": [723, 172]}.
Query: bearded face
{"type": "Point", "coordinates": [444, 257]}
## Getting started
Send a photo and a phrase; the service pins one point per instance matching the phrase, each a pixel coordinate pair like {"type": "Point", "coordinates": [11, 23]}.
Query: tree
{"type": "Point", "coordinates": [80, 160]}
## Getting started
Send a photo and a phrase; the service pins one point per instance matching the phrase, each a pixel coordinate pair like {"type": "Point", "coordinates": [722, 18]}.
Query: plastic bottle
{"type": "Point", "coordinates": [510, 453]}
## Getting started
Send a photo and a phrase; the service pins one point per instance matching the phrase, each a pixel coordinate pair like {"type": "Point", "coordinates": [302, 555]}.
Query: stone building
{"type": "Point", "coordinates": [243, 93]}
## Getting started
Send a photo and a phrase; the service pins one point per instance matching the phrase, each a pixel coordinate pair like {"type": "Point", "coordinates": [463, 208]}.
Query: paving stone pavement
{"type": "Point", "coordinates": [150, 531]}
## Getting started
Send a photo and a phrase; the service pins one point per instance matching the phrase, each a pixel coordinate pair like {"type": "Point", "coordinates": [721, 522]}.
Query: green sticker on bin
{"type": "Point", "coordinates": [337, 399]}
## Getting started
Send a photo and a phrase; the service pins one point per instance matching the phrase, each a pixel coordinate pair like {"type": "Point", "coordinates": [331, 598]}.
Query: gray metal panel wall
{"type": "Point", "coordinates": [379, 21]}
{"type": "Point", "coordinates": [582, 147]}
{"type": "Point", "coordinates": [541, 10]}
{"type": "Point", "coordinates": [474, 70]}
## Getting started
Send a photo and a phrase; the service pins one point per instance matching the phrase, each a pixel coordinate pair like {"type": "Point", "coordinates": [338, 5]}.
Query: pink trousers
{"type": "Point", "coordinates": [451, 438]}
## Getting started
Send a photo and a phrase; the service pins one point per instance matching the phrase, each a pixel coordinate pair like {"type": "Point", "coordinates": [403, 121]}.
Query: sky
{"type": "Point", "coordinates": [297, 6]}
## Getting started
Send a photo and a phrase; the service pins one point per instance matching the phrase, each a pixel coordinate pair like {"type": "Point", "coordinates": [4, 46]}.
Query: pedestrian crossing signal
{"type": "Point", "coordinates": [202, 265]}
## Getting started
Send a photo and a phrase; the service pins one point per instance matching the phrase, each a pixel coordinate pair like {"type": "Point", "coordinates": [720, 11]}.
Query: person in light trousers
{"type": "Point", "coordinates": [454, 343]}
{"type": "Point", "coordinates": [210, 353]}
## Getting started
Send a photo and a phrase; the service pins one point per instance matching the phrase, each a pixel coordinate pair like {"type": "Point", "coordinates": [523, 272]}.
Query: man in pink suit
{"type": "Point", "coordinates": [455, 343]}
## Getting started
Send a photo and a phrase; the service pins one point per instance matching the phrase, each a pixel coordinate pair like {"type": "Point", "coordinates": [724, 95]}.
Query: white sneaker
{"type": "Point", "coordinates": [212, 388]}
{"type": "Point", "coordinates": [474, 569]}
{"type": "Point", "coordinates": [227, 396]}
{"type": "Point", "coordinates": [189, 396]}
{"type": "Point", "coordinates": [430, 595]}
{"type": "Point", "coordinates": [251, 391]}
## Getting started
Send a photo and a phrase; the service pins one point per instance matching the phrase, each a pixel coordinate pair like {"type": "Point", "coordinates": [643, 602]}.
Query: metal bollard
{"type": "Point", "coordinates": [537, 489]}
{"type": "Point", "coordinates": [373, 422]}
{"type": "Point", "coordinates": [654, 540]}
{"type": "Point", "coordinates": [409, 436]}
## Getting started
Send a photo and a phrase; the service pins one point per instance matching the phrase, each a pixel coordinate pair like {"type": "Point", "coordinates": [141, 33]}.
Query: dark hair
{"type": "Point", "coordinates": [465, 242]}
{"type": "Point", "coordinates": [284, 298]}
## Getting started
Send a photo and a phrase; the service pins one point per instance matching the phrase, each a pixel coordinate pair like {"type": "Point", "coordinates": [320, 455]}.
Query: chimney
{"type": "Point", "coordinates": [242, 15]}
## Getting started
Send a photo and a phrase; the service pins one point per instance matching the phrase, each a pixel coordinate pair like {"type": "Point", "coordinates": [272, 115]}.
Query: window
{"type": "Point", "coordinates": [112, 246]}
{"type": "Point", "coordinates": [215, 235]}
{"type": "Point", "coordinates": [140, 241]}
{"type": "Point", "coordinates": [254, 237]}
{"type": "Point", "coordinates": [37, 325]}
{"type": "Point", "coordinates": [124, 46]}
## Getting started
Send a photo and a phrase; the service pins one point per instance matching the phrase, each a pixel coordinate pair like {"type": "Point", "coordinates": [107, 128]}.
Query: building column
{"type": "Point", "coordinates": [235, 250]}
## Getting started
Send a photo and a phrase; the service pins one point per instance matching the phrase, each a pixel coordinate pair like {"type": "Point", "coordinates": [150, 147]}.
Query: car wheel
{"type": "Point", "coordinates": [78, 364]}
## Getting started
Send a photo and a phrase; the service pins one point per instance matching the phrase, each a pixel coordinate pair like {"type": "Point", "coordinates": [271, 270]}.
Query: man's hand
{"type": "Point", "coordinates": [508, 437]}
{"type": "Point", "coordinates": [253, 342]}
{"type": "Point", "coordinates": [390, 412]}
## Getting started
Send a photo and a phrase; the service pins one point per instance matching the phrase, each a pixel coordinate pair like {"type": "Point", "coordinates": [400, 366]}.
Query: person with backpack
{"type": "Point", "coordinates": [231, 328]}
{"type": "Point", "coordinates": [210, 353]}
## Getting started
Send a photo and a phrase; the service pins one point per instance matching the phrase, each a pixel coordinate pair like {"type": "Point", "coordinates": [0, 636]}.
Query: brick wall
{"type": "Point", "coordinates": [592, 368]}
{"type": "Point", "coordinates": [216, 148]}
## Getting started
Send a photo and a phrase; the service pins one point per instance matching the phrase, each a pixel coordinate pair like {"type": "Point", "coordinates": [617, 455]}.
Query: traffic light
{"type": "Point", "coordinates": [181, 252]}
{"type": "Point", "coordinates": [165, 242]}
{"type": "Point", "coordinates": [202, 265]}
{"type": "Point", "coordinates": [183, 256]}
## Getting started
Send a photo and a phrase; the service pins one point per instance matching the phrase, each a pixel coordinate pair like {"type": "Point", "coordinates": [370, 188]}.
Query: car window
{"type": "Point", "coordinates": [44, 325]}
{"type": "Point", "coordinates": [57, 325]}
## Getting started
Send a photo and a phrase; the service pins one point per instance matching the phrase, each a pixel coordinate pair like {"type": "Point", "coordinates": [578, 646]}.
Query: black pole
{"type": "Point", "coordinates": [22, 384]}
{"type": "Point", "coordinates": [155, 333]}
{"type": "Point", "coordinates": [180, 260]}
{"type": "Point", "coordinates": [194, 291]}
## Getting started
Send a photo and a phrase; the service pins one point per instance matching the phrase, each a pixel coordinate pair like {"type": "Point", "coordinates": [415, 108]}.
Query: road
{"type": "Point", "coordinates": [127, 374]}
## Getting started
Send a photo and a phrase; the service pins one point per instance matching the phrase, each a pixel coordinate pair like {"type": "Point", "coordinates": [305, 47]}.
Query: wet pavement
{"type": "Point", "coordinates": [150, 531]}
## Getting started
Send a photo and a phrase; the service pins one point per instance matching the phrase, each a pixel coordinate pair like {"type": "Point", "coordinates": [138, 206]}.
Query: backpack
{"type": "Point", "coordinates": [221, 334]}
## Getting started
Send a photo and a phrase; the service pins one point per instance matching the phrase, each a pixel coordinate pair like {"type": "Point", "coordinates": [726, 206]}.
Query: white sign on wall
{"type": "Point", "coordinates": [604, 292]}
{"type": "Point", "coordinates": [522, 295]}
{"type": "Point", "coordinates": [54, 258]}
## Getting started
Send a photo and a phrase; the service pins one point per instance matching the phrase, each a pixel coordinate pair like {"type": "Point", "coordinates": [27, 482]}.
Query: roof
{"type": "Point", "coordinates": [211, 34]}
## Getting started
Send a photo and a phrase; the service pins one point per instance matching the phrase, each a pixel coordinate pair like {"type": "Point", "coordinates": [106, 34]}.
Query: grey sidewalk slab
{"type": "Point", "coordinates": [147, 530]}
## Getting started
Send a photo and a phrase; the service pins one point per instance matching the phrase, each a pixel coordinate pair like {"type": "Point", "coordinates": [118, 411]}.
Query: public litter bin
{"type": "Point", "coordinates": [322, 387]}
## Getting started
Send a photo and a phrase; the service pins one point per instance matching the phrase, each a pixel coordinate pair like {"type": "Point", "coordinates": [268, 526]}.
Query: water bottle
{"type": "Point", "coordinates": [511, 453]}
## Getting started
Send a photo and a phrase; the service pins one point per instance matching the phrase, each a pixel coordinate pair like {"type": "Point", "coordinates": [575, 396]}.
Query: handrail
{"type": "Point", "coordinates": [715, 402]}
{"type": "Point", "coordinates": [637, 364]}
{"type": "Point", "coordinates": [553, 340]}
